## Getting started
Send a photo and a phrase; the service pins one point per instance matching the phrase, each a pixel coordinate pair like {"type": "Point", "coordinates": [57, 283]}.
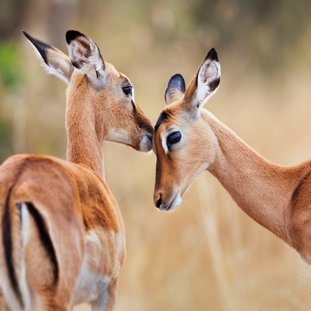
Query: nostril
{"type": "Point", "coordinates": [149, 137]}
{"type": "Point", "coordinates": [159, 201]}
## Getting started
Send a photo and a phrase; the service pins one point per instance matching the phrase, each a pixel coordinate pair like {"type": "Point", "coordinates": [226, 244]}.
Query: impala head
{"type": "Point", "coordinates": [183, 142]}
{"type": "Point", "coordinates": [98, 88]}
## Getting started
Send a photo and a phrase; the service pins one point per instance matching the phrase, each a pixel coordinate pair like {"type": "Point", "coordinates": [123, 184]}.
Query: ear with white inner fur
{"type": "Point", "coordinates": [85, 56]}
{"type": "Point", "coordinates": [175, 89]}
{"type": "Point", "coordinates": [54, 61]}
{"type": "Point", "coordinates": [206, 82]}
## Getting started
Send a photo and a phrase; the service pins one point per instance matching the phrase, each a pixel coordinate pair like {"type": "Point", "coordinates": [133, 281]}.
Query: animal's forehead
{"type": "Point", "coordinates": [124, 79]}
{"type": "Point", "coordinates": [162, 117]}
{"type": "Point", "coordinates": [111, 69]}
{"type": "Point", "coordinates": [115, 73]}
{"type": "Point", "coordinates": [117, 78]}
{"type": "Point", "coordinates": [172, 112]}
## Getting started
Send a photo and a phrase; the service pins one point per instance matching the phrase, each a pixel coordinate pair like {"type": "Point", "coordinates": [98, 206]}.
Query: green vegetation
{"type": "Point", "coordinates": [10, 66]}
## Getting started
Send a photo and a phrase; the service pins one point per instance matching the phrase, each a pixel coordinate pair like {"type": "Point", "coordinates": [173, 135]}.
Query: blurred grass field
{"type": "Point", "coordinates": [208, 255]}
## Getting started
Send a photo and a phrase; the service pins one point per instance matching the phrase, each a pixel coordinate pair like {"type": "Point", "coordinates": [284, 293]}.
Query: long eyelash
{"type": "Point", "coordinates": [127, 90]}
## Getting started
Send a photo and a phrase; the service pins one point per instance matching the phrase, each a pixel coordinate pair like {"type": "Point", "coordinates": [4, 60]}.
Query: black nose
{"type": "Point", "coordinates": [159, 201]}
{"type": "Point", "coordinates": [149, 137]}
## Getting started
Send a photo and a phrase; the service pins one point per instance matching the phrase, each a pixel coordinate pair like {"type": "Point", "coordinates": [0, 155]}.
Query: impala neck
{"type": "Point", "coordinates": [261, 189]}
{"type": "Point", "coordinates": [83, 143]}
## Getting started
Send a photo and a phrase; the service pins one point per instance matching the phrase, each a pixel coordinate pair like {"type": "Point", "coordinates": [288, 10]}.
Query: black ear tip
{"type": "Point", "coordinates": [177, 76]}
{"type": "Point", "coordinates": [177, 81]}
{"type": "Point", "coordinates": [41, 46]}
{"type": "Point", "coordinates": [72, 34]}
{"type": "Point", "coordinates": [212, 55]}
{"type": "Point", "coordinates": [27, 35]}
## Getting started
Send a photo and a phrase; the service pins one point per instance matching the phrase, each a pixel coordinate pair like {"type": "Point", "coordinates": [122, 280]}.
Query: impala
{"type": "Point", "coordinates": [61, 233]}
{"type": "Point", "coordinates": [189, 140]}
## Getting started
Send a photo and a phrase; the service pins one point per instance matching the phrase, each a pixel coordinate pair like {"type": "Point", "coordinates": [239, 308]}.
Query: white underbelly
{"type": "Point", "coordinates": [92, 285]}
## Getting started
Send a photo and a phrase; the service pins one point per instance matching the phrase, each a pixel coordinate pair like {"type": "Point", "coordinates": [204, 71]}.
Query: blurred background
{"type": "Point", "coordinates": [208, 255]}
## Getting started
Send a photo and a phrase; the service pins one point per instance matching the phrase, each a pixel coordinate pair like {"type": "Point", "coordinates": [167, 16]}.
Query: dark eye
{"type": "Point", "coordinates": [127, 90]}
{"type": "Point", "coordinates": [173, 138]}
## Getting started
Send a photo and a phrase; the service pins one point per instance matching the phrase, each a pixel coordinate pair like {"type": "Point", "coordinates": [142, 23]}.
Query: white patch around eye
{"type": "Point", "coordinates": [169, 130]}
{"type": "Point", "coordinates": [163, 142]}
{"type": "Point", "coordinates": [133, 93]}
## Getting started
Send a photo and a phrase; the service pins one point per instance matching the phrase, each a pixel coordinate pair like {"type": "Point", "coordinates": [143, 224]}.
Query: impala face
{"type": "Point", "coordinates": [103, 91]}
{"type": "Point", "coordinates": [180, 133]}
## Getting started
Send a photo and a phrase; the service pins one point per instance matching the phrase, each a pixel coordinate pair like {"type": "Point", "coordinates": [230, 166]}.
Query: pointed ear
{"type": "Point", "coordinates": [175, 89]}
{"type": "Point", "coordinates": [85, 56]}
{"type": "Point", "coordinates": [53, 60]}
{"type": "Point", "coordinates": [206, 82]}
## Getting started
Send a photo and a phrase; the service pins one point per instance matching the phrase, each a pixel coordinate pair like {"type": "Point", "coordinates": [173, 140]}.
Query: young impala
{"type": "Point", "coordinates": [189, 140]}
{"type": "Point", "coordinates": [61, 233]}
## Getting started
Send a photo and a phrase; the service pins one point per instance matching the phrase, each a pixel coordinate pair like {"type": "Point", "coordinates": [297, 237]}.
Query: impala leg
{"type": "Point", "coordinates": [107, 300]}
{"type": "Point", "coordinates": [51, 299]}
{"type": "Point", "coordinates": [2, 304]}
{"type": "Point", "coordinates": [56, 307]}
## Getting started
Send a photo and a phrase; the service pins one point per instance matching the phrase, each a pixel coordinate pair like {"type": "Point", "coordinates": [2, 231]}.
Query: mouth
{"type": "Point", "coordinates": [146, 143]}
{"type": "Point", "coordinates": [172, 204]}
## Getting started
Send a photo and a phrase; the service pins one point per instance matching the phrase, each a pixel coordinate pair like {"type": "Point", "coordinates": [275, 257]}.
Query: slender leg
{"type": "Point", "coordinates": [2, 303]}
{"type": "Point", "coordinates": [56, 307]}
{"type": "Point", "coordinates": [107, 300]}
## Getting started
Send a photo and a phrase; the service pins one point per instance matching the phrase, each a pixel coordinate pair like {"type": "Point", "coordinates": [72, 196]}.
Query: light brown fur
{"type": "Point", "coordinates": [79, 211]}
{"type": "Point", "coordinates": [276, 197]}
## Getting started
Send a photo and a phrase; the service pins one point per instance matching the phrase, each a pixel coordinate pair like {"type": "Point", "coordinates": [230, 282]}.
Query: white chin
{"type": "Point", "coordinates": [176, 202]}
{"type": "Point", "coordinates": [145, 144]}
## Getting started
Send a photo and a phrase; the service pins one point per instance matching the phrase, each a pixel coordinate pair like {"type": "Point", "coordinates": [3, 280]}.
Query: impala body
{"type": "Point", "coordinates": [61, 233]}
{"type": "Point", "coordinates": [189, 140]}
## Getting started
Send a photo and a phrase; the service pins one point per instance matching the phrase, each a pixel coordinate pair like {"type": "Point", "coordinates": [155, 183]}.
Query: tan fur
{"type": "Point", "coordinates": [276, 197]}
{"type": "Point", "coordinates": [80, 212]}
{"type": "Point", "coordinates": [101, 113]}
{"type": "Point", "coordinates": [2, 302]}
